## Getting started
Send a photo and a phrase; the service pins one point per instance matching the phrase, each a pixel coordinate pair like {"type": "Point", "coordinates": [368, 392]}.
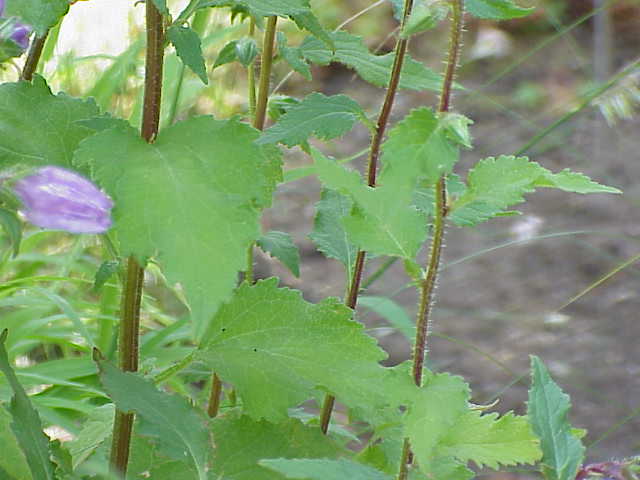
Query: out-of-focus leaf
{"type": "Point", "coordinates": [26, 423]}
{"type": "Point", "coordinates": [12, 227]}
{"type": "Point", "coordinates": [496, 9]}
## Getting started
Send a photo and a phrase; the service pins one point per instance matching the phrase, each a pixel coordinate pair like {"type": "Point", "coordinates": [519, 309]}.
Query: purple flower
{"type": "Point", "coordinates": [20, 34]}
{"type": "Point", "coordinates": [59, 199]}
{"type": "Point", "coordinates": [1, 7]}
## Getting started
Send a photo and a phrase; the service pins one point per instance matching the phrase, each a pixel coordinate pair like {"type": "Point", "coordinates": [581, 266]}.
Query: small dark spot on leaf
{"type": "Point", "coordinates": [255, 349]}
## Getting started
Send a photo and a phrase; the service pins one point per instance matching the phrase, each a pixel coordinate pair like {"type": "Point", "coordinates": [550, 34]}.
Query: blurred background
{"type": "Point", "coordinates": [560, 281]}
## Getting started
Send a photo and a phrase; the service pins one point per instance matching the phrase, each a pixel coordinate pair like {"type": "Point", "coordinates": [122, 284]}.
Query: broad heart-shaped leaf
{"type": "Point", "coordinates": [26, 424]}
{"type": "Point", "coordinates": [187, 44]}
{"type": "Point", "coordinates": [497, 183]}
{"type": "Point", "coordinates": [422, 143]}
{"type": "Point", "coordinates": [329, 234]}
{"type": "Point", "coordinates": [242, 442]}
{"type": "Point", "coordinates": [491, 441]}
{"type": "Point", "coordinates": [180, 429]}
{"type": "Point", "coordinates": [323, 469]}
{"type": "Point", "coordinates": [548, 407]}
{"type": "Point", "coordinates": [319, 115]}
{"type": "Point", "coordinates": [40, 14]}
{"type": "Point", "coordinates": [496, 9]}
{"type": "Point", "coordinates": [280, 246]}
{"type": "Point", "coordinates": [382, 221]}
{"type": "Point", "coordinates": [298, 346]}
{"type": "Point", "coordinates": [192, 198]}
{"type": "Point", "coordinates": [38, 128]}
{"type": "Point", "coordinates": [376, 69]}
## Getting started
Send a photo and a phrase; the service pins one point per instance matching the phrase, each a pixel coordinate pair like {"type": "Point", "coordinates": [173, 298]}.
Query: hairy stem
{"type": "Point", "coordinates": [428, 284]}
{"type": "Point", "coordinates": [132, 295]}
{"type": "Point", "coordinates": [265, 73]}
{"type": "Point", "coordinates": [372, 169]}
{"type": "Point", "coordinates": [259, 110]}
{"type": "Point", "coordinates": [33, 57]}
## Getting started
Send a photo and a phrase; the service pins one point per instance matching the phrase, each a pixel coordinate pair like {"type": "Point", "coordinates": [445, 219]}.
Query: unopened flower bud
{"type": "Point", "coordinates": [59, 199]}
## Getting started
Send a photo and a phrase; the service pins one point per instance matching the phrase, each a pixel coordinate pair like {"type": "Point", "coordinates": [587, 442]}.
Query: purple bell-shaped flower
{"type": "Point", "coordinates": [59, 199]}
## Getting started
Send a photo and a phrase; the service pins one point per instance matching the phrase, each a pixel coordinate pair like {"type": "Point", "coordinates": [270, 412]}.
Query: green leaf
{"type": "Point", "coordinates": [420, 142]}
{"type": "Point", "coordinates": [382, 221]}
{"type": "Point", "coordinates": [13, 464]}
{"type": "Point", "coordinates": [189, 49]}
{"type": "Point", "coordinates": [308, 21]}
{"type": "Point", "coordinates": [323, 469]}
{"type": "Point", "coordinates": [496, 9]}
{"type": "Point", "coordinates": [573, 182]}
{"type": "Point", "coordinates": [95, 430]}
{"type": "Point", "coordinates": [376, 69]}
{"type": "Point", "coordinates": [299, 347]}
{"type": "Point", "coordinates": [244, 51]}
{"type": "Point", "coordinates": [497, 183]}
{"type": "Point", "coordinates": [329, 234]}
{"type": "Point", "coordinates": [246, 442]}
{"type": "Point", "coordinates": [548, 408]}
{"type": "Point", "coordinates": [393, 313]}
{"type": "Point", "coordinates": [280, 246]}
{"type": "Point", "coordinates": [41, 15]}
{"type": "Point", "coordinates": [319, 115]}
{"type": "Point", "coordinates": [425, 16]}
{"type": "Point", "coordinates": [491, 441]}
{"type": "Point", "coordinates": [12, 227]}
{"type": "Point", "coordinates": [26, 424]}
{"type": "Point", "coordinates": [293, 56]}
{"type": "Point", "coordinates": [105, 271]}
{"type": "Point", "coordinates": [38, 128]}
{"type": "Point", "coordinates": [172, 419]}
{"type": "Point", "coordinates": [192, 198]}
{"type": "Point", "coordinates": [263, 8]}
{"type": "Point", "coordinates": [435, 410]}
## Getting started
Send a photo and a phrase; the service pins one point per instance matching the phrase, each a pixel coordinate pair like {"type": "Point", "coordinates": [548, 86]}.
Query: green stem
{"type": "Point", "coordinates": [33, 57]}
{"type": "Point", "coordinates": [251, 77]}
{"type": "Point", "coordinates": [132, 295]}
{"type": "Point", "coordinates": [428, 285]}
{"type": "Point", "coordinates": [372, 169]}
{"type": "Point", "coordinates": [265, 73]}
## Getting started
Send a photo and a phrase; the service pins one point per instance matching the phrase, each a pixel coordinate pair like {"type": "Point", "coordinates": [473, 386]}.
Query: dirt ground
{"type": "Point", "coordinates": [495, 309]}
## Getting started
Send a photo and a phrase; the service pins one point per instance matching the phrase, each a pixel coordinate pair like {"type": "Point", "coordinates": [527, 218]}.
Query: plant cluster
{"type": "Point", "coordinates": [228, 391]}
